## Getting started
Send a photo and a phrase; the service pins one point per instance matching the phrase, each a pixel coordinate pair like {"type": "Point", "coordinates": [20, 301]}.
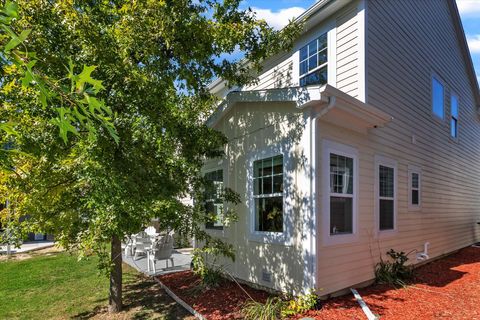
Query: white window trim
{"type": "Point", "coordinates": [285, 237]}
{"type": "Point", "coordinates": [347, 151]}
{"type": "Point", "coordinates": [439, 79]}
{"type": "Point", "coordinates": [330, 29]}
{"type": "Point", "coordinates": [386, 162]}
{"type": "Point", "coordinates": [220, 165]}
{"type": "Point", "coordinates": [453, 94]}
{"type": "Point", "coordinates": [418, 171]}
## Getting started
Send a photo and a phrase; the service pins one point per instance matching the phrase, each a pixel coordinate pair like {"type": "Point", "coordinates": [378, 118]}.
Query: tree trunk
{"type": "Point", "coordinates": [116, 276]}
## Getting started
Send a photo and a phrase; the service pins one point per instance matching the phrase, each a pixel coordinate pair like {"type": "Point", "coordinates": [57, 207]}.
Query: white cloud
{"type": "Point", "coordinates": [278, 19]}
{"type": "Point", "coordinates": [474, 43]}
{"type": "Point", "coordinates": [469, 7]}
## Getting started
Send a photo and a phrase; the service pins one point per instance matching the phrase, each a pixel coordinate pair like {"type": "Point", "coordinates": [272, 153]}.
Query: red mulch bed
{"type": "Point", "coordinates": [448, 289]}
{"type": "Point", "coordinates": [223, 302]}
{"type": "Point", "coordinates": [444, 289]}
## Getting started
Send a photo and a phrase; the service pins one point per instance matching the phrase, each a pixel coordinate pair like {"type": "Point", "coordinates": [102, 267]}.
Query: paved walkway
{"type": "Point", "coordinates": [27, 247]}
{"type": "Point", "coordinates": [181, 262]}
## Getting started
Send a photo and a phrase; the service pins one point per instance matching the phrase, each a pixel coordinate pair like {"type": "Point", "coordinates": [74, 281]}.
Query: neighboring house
{"type": "Point", "coordinates": [364, 138]}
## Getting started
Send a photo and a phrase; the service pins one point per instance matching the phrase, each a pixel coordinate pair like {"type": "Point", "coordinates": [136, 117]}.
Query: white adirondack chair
{"type": "Point", "coordinates": [142, 245]}
{"type": "Point", "coordinates": [161, 250]}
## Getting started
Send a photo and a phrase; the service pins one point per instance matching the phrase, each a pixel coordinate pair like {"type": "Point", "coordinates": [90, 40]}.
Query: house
{"type": "Point", "coordinates": [364, 137]}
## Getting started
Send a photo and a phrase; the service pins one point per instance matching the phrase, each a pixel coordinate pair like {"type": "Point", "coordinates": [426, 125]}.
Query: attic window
{"type": "Point", "coordinates": [313, 62]}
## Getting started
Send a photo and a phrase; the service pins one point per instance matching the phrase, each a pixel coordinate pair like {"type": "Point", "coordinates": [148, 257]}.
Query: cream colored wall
{"type": "Point", "coordinates": [252, 129]}
{"type": "Point", "coordinates": [400, 62]}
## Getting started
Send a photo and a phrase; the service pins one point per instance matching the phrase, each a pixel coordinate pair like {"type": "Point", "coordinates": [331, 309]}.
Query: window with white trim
{"type": "Point", "coordinates": [386, 197]}
{"type": "Point", "coordinates": [454, 116]}
{"type": "Point", "coordinates": [213, 199]}
{"type": "Point", "coordinates": [314, 62]}
{"type": "Point", "coordinates": [268, 194]}
{"type": "Point", "coordinates": [437, 98]}
{"type": "Point", "coordinates": [341, 194]}
{"type": "Point", "coordinates": [414, 185]}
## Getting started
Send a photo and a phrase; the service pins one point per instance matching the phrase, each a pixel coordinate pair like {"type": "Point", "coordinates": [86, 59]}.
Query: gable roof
{"type": "Point", "coordinates": [462, 42]}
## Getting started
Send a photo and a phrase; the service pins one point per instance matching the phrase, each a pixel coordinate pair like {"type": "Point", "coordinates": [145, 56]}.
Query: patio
{"type": "Point", "coordinates": [181, 262]}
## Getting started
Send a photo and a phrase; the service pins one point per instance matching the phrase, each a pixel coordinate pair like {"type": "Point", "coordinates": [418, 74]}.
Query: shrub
{"type": "Point", "coordinates": [270, 310]}
{"type": "Point", "coordinates": [301, 304]}
{"type": "Point", "coordinates": [275, 308]}
{"type": "Point", "coordinates": [394, 272]}
{"type": "Point", "coordinates": [210, 276]}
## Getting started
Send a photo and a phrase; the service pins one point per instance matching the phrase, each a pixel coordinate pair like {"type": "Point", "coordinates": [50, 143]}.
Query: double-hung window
{"type": "Point", "coordinates": [437, 98]}
{"type": "Point", "coordinates": [386, 196]}
{"type": "Point", "coordinates": [213, 197]}
{"type": "Point", "coordinates": [314, 62]}
{"type": "Point", "coordinates": [268, 194]}
{"type": "Point", "coordinates": [454, 116]}
{"type": "Point", "coordinates": [341, 194]}
{"type": "Point", "coordinates": [414, 185]}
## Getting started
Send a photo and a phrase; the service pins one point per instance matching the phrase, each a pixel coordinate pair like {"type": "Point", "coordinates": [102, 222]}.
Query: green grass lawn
{"type": "Point", "coordinates": [57, 286]}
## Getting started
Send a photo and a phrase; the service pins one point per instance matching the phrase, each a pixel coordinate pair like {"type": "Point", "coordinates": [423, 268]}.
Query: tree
{"type": "Point", "coordinates": [155, 59]}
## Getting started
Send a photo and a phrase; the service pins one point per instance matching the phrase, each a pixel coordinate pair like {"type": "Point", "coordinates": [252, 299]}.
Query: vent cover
{"type": "Point", "coordinates": [266, 276]}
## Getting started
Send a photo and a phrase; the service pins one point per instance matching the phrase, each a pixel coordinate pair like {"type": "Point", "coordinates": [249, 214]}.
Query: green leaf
{"type": "Point", "coordinates": [8, 129]}
{"type": "Point", "coordinates": [11, 9]}
{"type": "Point", "coordinates": [64, 123]}
{"type": "Point", "coordinates": [15, 40]}
{"type": "Point", "coordinates": [85, 77]}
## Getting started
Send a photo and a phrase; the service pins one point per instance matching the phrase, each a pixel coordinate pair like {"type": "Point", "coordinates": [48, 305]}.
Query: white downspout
{"type": "Point", "coordinates": [313, 189]}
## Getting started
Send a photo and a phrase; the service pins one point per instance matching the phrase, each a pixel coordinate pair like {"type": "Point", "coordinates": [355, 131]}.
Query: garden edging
{"type": "Point", "coordinates": [180, 301]}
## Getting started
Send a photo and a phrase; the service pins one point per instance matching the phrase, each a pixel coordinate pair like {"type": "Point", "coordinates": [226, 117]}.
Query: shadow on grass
{"type": "Point", "coordinates": [143, 298]}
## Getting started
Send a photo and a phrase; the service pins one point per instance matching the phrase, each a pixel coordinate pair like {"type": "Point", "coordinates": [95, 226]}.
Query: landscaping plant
{"type": "Point", "coordinates": [301, 304]}
{"type": "Point", "coordinates": [270, 310]}
{"type": "Point", "coordinates": [141, 66]}
{"type": "Point", "coordinates": [395, 271]}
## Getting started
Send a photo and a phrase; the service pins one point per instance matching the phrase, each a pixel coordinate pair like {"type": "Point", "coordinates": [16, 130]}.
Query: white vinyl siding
{"type": "Point", "coordinates": [406, 40]}
{"type": "Point", "coordinates": [347, 53]}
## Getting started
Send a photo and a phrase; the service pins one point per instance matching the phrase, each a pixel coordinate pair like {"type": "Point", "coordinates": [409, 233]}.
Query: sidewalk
{"type": "Point", "coordinates": [27, 247]}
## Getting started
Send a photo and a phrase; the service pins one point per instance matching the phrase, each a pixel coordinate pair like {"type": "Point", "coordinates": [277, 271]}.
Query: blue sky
{"type": "Point", "coordinates": [278, 12]}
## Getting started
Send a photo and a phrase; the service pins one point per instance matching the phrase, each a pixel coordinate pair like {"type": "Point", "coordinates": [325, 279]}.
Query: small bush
{"type": "Point", "coordinates": [394, 272]}
{"type": "Point", "coordinates": [210, 276]}
{"type": "Point", "coordinates": [270, 310]}
{"type": "Point", "coordinates": [301, 304]}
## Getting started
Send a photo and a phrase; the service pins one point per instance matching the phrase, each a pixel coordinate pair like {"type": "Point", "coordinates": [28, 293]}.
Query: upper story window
{"type": "Point", "coordinates": [454, 116]}
{"type": "Point", "coordinates": [213, 199]}
{"type": "Point", "coordinates": [268, 194]}
{"type": "Point", "coordinates": [313, 62]}
{"type": "Point", "coordinates": [437, 98]}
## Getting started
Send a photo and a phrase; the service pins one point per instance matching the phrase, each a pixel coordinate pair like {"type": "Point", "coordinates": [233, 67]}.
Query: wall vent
{"type": "Point", "coordinates": [266, 276]}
